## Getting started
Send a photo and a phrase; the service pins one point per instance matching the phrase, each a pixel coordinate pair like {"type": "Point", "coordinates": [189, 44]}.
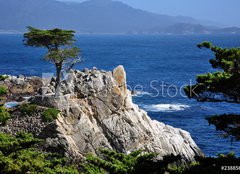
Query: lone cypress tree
{"type": "Point", "coordinates": [59, 44]}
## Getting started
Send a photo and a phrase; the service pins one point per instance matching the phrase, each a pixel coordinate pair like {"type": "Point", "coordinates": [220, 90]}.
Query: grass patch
{"type": "Point", "coordinates": [3, 90]}
{"type": "Point", "coordinates": [28, 109]}
{"type": "Point", "coordinates": [4, 115]}
{"type": "Point", "coordinates": [50, 114]}
{"type": "Point", "coordinates": [2, 100]}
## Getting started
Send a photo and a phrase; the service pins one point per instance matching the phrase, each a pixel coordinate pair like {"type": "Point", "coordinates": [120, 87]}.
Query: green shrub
{"type": "Point", "coordinates": [28, 109]}
{"type": "Point", "coordinates": [18, 155]}
{"type": "Point", "coordinates": [135, 163]}
{"type": "Point", "coordinates": [50, 114]}
{"type": "Point", "coordinates": [3, 90]}
{"type": "Point", "coordinates": [3, 77]}
{"type": "Point", "coordinates": [2, 100]}
{"type": "Point", "coordinates": [4, 115]}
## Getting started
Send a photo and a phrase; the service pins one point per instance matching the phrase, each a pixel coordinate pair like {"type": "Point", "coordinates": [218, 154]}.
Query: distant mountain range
{"type": "Point", "coordinates": [96, 16]}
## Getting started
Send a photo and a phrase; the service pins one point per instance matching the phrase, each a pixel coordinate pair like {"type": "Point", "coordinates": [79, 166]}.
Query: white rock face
{"type": "Point", "coordinates": [98, 112]}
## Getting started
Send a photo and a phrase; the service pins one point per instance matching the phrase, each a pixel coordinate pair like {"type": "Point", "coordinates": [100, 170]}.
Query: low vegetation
{"type": "Point", "coordinates": [4, 115]}
{"type": "Point", "coordinates": [50, 114]}
{"type": "Point", "coordinates": [28, 109]}
{"type": "Point", "coordinates": [3, 90]}
{"type": "Point", "coordinates": [2, 100]}
{"type": "Point", "coordinates": [18, 155]}
{"type": "Point", "coordinates": [135, 163]}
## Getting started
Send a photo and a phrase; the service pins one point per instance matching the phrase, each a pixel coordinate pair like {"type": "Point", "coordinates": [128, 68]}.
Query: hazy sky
{"type": "Point", "coordinates": [220, 11]}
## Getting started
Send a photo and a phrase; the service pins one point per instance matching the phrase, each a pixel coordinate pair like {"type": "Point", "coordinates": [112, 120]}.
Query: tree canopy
{"type": "Point", "coordinates": [225, 80]}
{"type": "Point", "coordinates": [51, 39]}
{"type": "Point", "coordinates": [60, 48]}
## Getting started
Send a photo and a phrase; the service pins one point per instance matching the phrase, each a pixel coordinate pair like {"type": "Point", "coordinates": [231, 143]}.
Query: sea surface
{"type": "Point", "coordinates": [157, 68]}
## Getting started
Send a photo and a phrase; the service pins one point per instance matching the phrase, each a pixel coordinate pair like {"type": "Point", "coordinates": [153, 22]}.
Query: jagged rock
{"type": "Point", "coordinates": [97, 111]}
{"type": "Point", "coordinates": [20, 87]}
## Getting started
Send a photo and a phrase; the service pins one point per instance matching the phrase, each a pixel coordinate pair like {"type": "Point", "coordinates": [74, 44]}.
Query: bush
{"type": "Point", "coordinates": [4, 115]}
{"type": "Point", "coordinates": [3, 77]}
{"type": "Point", "coordinates": [50, 114]}
{"type": "Point", "coordinates": [136, 162]}
{"type": "Point", "coordinates": [18, 155]}
{"type": "Point", "coordinates": [3, 90]}
{"type": "Point", "coordinates": [28, 109]}
{"type": "Point", "coordinates": [2, 100]}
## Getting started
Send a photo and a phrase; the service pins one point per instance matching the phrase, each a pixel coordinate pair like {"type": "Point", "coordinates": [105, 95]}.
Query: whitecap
{"type": "Point", "coordinates": [165, 107]}
{"type": "Point", "coordinates": [140, 93]}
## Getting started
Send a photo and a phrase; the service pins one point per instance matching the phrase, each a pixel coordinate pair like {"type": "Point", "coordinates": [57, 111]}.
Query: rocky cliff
{"type": "Point", "coordinates": [97, 111]}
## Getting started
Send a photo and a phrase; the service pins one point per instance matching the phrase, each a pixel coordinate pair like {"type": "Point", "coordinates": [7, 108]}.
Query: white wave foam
{"type": "Point", "coordinates": [165, 107]}
{"type": "Point", "coordinates": [141, 93]}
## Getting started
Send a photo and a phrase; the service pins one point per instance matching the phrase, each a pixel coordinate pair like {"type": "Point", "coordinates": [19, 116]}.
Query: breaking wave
{"type": "Point", "coordinates": [165, 107]}
{"type": "Point", "coordinates": [140, 93]}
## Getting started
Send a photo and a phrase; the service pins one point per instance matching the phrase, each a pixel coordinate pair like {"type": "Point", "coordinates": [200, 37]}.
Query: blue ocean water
{"type": "Point", "coordinates": [157, 67]}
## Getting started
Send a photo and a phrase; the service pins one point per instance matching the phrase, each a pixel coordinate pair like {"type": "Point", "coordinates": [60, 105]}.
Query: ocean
{"type": "Point", "coordinates": [157, 67]}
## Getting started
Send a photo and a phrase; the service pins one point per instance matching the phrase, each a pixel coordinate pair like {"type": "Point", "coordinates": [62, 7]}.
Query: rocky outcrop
{"type": "Point", "coordinates": [21, 86]}
{"type": "Point", "coordinates": [97, 111]}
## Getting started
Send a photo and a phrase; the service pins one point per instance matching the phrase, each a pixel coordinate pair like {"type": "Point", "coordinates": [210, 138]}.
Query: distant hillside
{"type": "Point", "coordinates": [94, 16]}
{"type": "Point", "coordinates": [186, 28]}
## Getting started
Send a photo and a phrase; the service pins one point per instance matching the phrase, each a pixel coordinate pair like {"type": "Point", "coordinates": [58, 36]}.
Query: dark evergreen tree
{"type": "Point", "coordinates": [60, 48]}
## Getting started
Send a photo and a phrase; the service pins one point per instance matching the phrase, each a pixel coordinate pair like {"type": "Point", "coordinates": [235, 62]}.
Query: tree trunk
{"type": "Point", "coordinates": [58, 79]}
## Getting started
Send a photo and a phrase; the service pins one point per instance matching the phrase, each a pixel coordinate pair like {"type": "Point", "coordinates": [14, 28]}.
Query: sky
{"type": "Point", "coordinates": [224, 12]}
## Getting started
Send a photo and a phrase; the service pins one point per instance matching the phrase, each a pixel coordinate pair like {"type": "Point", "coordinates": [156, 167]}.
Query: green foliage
{"type": "Point", "coordinates": [10, 144]}
{"type": "Point", "coordinates": [229, 123]}
{"type": "Point", "coordinates": [211, 165]}
{"type": "Point", "coordinates": [3, 77]}
{"type": "Point", "coordinates": [226, 59]}
{"type": "Point", "coordinates": [61, 55]}
{"type": "Point", "coordinates": [176, 169]}
{"type": "Point", "coordinates": [2, 100]}
{"type": "Point", "coordinates": [60, 50]}
{"type": "Point", "coordinates": [225, 81]}
{"type": "Point", "coordinates": [50, 114]}
{"type": "Point", "coordinates": [3, 90]}
{"type": "Point", "coordinates": [135, 163]}
{"type": "Point", "coordinates": [50, 39]}
{"type": "Point", "coordinates": [18, 156]}
{"type": "Point", "coordinates": [28, 109]}
{"type": "Point", "coordinates": [4, 115]}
